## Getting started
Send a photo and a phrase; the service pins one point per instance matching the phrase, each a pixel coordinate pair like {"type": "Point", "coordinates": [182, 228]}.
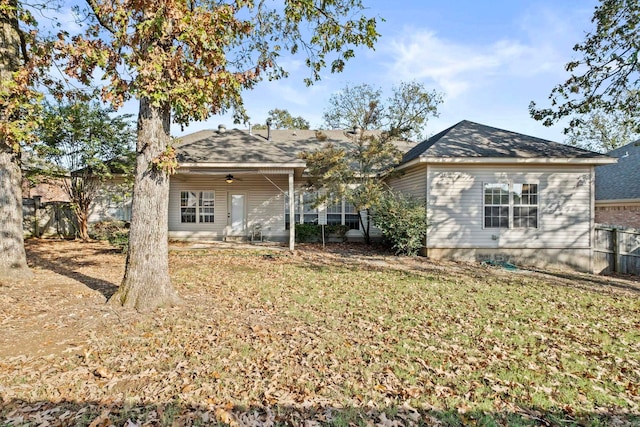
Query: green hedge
{"type": "Point", "coordinates": [308, 233]}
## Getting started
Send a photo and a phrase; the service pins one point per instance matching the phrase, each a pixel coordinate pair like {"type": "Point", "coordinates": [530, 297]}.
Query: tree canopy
{"type": "Point", "coordinates": [602, 132]}
{"type": "Point", "coordinates": [357, 172]}
{"type": "Point", "coordinates": [87, 143]}
{"type": "Point", "coordinates": [184, 61]}
{"type": "Point", "coordinates": [282, 119]}
{"type": "Point", "coordinates": [605, 78]}
{"type": "Point", "coordinates": [404, 114]}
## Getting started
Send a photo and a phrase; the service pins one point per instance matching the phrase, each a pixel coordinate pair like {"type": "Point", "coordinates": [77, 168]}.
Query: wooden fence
{"type": "Point", "coordinates": [51, 219]}
{"type": "Point", "coordinates": [617, 250]}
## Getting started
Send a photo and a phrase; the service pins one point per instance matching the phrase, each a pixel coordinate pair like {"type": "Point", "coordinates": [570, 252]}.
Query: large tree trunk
{"type": "Point", "coordinates": [13, 260]}
{"type": "Point", "coordinates": [146, 284]}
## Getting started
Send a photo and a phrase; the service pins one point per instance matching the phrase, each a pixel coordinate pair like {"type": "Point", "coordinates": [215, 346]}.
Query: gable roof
{"type": "Point", "coordinates": [469, 140]}
{"type": "Point", "coordinates": [211, 148]}
{"type": "Point", "coordinates": [621, 180]}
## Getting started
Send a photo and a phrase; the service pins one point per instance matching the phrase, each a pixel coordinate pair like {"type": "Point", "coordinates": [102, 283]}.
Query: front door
{"type": "Point", "coordinates": [238, 212]}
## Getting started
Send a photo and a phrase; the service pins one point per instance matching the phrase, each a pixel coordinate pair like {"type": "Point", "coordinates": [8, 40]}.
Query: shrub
{"type": "Point", "coordinates": [337, 230]}
{"type": "Point", "coordinates": [116, 232]}
{"type": "Point", "coordinates": [307, 233]}
{"type": "Point", "coordinates": [402, 220]}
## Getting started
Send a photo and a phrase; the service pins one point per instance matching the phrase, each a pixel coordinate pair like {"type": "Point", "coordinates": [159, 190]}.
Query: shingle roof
{"type": "Point", "coordinates": [621, 180]}
{"type": "Point", "coordinates": [473, 140]}
{"type": "Point", "coordinates": [240, 146]}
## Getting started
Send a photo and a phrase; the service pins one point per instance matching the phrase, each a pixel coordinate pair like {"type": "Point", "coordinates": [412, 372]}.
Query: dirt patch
{"type": "Point", "coordinates": [64, 303]}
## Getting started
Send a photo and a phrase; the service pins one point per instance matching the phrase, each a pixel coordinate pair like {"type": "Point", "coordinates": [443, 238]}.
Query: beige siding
{"type": "Point", "coordinates": [413, 182]}
{"type": "Point", "coordinates": [456, 217]}
{"type": "Point", "coordinates": [264, 204]}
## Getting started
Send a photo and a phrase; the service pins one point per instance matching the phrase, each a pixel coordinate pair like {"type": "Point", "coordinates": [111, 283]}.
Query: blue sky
{"type": "Point", "coordinates": [488, 58]}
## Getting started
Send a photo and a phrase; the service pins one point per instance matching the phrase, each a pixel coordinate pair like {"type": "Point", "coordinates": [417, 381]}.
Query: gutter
{"type": "Point", "coordinates": [618, 202]}
{"type": "Point", "coordinates": [196, 166]}
{"type": "Point", "coordinates": [507, 161]}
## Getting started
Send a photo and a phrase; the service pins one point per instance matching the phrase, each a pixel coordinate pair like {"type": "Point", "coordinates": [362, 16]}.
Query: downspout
{"type": "Point", "coordinates": [426, 211]}
{"type": "Point", "coordinates": [292, 216]}
{"type": "Point", "coordinates": [592, 222]}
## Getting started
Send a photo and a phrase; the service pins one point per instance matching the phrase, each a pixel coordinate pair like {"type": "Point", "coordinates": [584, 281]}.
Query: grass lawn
{"type": "Point", "coordinates": [336, 337]}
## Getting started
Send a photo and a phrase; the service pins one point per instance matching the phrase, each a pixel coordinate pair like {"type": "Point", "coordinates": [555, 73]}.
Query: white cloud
{"type": "Point", "coordinates": [457, 67]}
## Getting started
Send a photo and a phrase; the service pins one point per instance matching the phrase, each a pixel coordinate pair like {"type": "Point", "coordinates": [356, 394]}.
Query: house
{"type": "Point", "coordinates": [111, 202]}
{"type": "Point", "coordinates": [493, 194]}
{"type": "Point", "coordinates": [618, 188]}
{"type": "Point", "coordinates": [232, 182]}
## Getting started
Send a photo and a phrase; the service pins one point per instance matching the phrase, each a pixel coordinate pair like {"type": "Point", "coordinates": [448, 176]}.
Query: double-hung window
{"type": "Point", "coordinates": [309, 212]}
{"type": "Point", "coordinates": [525, 205]}
{"type": "Point", "coordinates": [510, 205]}
{"type": "Point", "coordinates": [334, 212]}
{"type": "Point", "coordinates": [197, 206]}
{"type": "Point", "coordinates": [338, 211]}
{"type": "Point", "coordinates": [496, 205]}
{"type": "Point", "coordinates": [351, 218]}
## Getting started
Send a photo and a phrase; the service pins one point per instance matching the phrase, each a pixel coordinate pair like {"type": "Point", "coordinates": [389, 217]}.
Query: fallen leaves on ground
{"type": "Point", "coordinates": [342, 336]}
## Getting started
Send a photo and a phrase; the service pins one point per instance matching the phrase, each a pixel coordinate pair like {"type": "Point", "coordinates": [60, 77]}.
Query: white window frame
{"type": "Point", "coordinates": [306, 200]}
{"type": "Point", "coordinates": [200, 208]}
{"type": "Point", "coordinates": [496, 204]}
{"type": "Point", "coordinates": [532, 195]}
{"type": "Point", "coordinates": [511, 191]}
{"type": "Point", "coordinates": [301, 209]}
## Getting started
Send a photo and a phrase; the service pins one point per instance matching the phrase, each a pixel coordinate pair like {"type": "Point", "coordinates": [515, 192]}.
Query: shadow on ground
{"type": "Point", "coordinates": [68, 264]}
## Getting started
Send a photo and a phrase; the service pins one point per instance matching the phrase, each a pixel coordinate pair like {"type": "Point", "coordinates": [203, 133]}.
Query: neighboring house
{"type": "Point", "coordinates": [46, 211]}
{"type": "Point", "coordinates": [497, 195]}
{"type": "Point", "coordinates": [233, 182]}
{"type": "Point", "coordinates": [52, 190]}
{"type": "Point", "coordinates": [618, 188]}
{"type": "Point", "coordinates": [112, 202]}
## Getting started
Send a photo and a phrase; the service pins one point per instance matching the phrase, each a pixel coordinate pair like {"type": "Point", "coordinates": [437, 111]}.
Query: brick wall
{"type": "Point", "coordinates": [624, 216]}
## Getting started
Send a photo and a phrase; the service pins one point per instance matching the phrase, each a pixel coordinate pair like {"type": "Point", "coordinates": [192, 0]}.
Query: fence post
{"type": "Point", "coordinates": [617, 256]}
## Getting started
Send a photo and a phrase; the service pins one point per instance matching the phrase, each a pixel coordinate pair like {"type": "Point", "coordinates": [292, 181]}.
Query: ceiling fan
{"type": "Point", "coordinates": [229, 179]}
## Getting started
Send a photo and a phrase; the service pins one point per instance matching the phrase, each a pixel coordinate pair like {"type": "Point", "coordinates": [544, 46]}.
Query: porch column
{"type": "Point", "coordinates": [292, 216]}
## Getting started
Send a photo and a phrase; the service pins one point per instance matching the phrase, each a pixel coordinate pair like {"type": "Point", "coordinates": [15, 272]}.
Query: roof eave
{"type": "Point", "coordinates": [512, 160]}
{"type": "Point", "coordinates": [618, 202]}
{"type": "Point", "coordinates": [200, 165]}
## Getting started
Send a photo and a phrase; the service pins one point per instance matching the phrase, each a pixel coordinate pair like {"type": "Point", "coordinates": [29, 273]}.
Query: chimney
{"type": "Point", "coordinates": [269, 129]}
{"type": "Point", "coordinates": [222, 128]}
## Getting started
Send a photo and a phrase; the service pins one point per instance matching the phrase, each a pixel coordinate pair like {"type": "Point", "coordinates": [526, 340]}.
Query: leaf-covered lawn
{"type": "Point", "coordinates": [343, 338]}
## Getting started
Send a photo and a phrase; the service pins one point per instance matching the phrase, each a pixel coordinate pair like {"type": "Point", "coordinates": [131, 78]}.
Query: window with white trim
{"type": "Point", "coordinates": [510, 205]}
{"type": "Point", "coordinates": [525, 205]}
{"type": "Point", "coordinates": [351, 217]}
{"type": "Point", "coordinates": [197, 206]}
{"type": "Point", "coordinates": [309, 213]}
{"type": "Point", "coordinates": [339, 212]}
{"type": "Point", "coordinates": [496, 205]}
{"type": "Point", "coordinates": [334, 212]}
